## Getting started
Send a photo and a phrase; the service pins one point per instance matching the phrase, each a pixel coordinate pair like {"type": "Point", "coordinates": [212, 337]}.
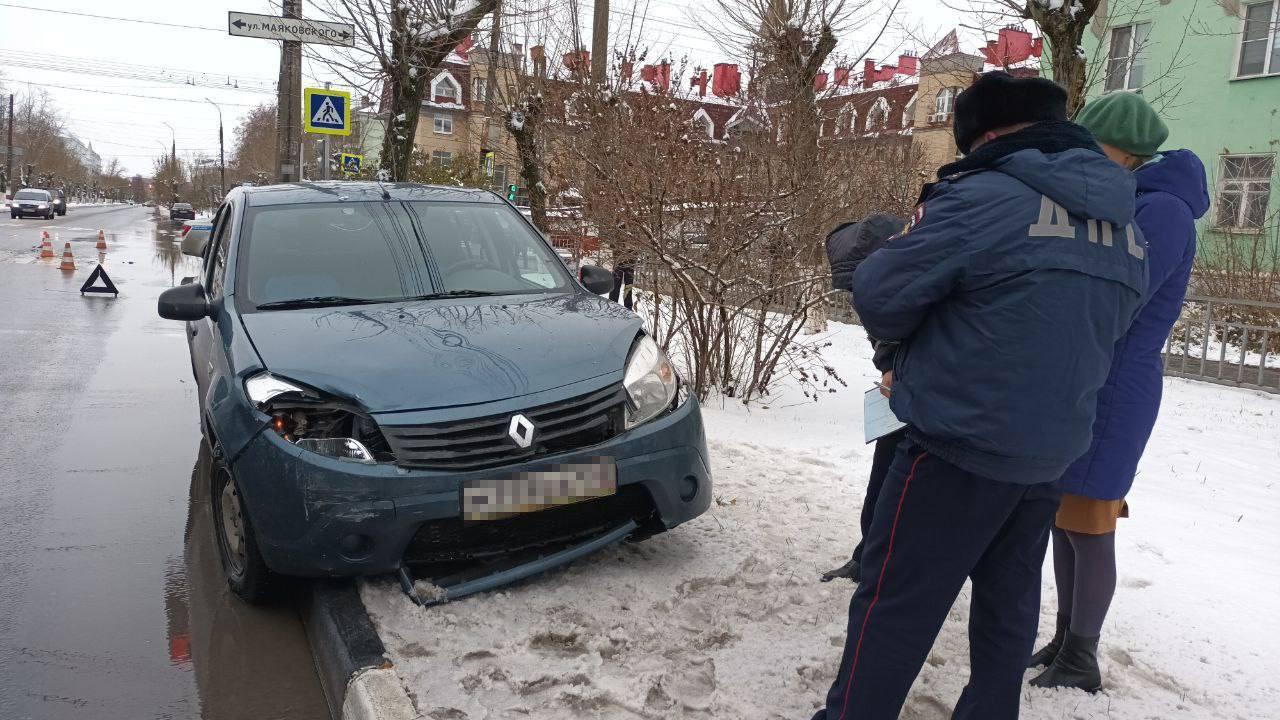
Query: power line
{"type": "Point", "coordinates": [106, 68]}
{"type": "Point", "coordinates": [139, 21]}
{"type": "Point", "coordinates": [144, 97]}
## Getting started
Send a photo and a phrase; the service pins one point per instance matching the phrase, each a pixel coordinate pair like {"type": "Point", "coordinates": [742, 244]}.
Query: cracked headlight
{"type": "Point", "coordinates": [650, 381]}
{"type": "Point", "coordinates": [317, 422]}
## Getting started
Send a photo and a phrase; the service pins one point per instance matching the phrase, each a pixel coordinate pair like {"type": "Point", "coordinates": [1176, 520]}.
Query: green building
{"type": "Point", "coordinates": [1212, 69]}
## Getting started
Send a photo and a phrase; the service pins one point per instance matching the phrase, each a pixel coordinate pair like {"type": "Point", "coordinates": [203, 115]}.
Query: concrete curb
{"type": "Point", "coordinates": [351, 662]}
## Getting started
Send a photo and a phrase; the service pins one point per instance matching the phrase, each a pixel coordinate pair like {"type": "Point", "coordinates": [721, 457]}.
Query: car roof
{"type": "Point", "coordinates": [355, 191]}
{"type": "Point", "coordinates": [34, 190]}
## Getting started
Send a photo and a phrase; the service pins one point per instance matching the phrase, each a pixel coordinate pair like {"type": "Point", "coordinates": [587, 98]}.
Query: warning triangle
{"type": "Point", "coordinates": [327, 114]}
{"type": "Point", "coordinates": [108, 286]}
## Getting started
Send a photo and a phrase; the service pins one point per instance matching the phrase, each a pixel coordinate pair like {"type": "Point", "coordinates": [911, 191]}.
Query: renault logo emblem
{"type": "Point", "coordinates": [521, 430]}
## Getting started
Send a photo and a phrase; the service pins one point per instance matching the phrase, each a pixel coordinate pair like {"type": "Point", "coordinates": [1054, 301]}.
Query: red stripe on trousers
{"type": "Point", "coordinates": [879, 583]}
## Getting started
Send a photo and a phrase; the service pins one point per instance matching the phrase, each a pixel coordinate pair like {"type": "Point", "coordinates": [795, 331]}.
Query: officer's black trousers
{"type": "Point", "coordinates": [935, 525]}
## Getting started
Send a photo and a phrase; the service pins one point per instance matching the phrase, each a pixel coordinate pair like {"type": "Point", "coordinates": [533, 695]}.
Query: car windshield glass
{"type": "Point", "coordinates": [182, 206]}
{"type": "Point", "coordinates": [487, 247]}
{"type": "Point", "coordinates": [329, 250]}
{"type": "Point", "coordinates": [32, 195]}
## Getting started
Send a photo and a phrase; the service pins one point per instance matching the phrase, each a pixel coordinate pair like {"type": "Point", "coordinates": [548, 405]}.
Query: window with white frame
{"type": "Point", "coordinates": [442, 123]}
{"type": "Point", "coordinates": [443, 158]}
{"type": "Point", "coordinates": [479, 90]}
{"type": "Point", "coordinates": [1125, 61]}
{"type": "Point", "coordinates": [845, 120]}
{"type": "Point", "coordinates": [878, 115]}
{"type": "Point", "coordinates": [1259, 41]}
{"type": "Point", "coordinates": [909, 113]}
{"type": "Point", "coordinates": [944, 104]}
{"type": "Point", "coordinates": [1244, 185]}
{"type": "Point", "coordinates": [702, 121]}
{"type": "Point", "coordinates": [445, 88]}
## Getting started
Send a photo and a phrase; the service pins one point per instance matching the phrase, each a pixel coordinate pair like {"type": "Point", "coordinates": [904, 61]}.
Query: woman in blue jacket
{"type": "Point", "coordinates": [1172, 195]}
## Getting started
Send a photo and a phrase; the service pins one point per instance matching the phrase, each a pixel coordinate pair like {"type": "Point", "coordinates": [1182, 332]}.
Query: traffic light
{"type": "Point", "coordinates": [511, 192]}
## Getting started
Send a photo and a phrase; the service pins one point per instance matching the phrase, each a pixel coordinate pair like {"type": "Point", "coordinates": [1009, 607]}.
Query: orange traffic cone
{"type": "Point", "coordinates": [68, 260]}
{"type": "Point", "coordinates": [46, 247]}
{"type": "Point", "coordinates": [102, 241]}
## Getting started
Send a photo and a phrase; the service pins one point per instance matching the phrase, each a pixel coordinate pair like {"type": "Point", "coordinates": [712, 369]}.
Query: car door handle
{"type": "Point", "coordinates": [194, 330]}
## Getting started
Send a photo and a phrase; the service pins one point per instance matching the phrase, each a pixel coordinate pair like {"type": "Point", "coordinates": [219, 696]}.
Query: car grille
{"type": "Point", "coordinates": [475, 443]}
{"type": "Point", "coordinates": [453, 539]}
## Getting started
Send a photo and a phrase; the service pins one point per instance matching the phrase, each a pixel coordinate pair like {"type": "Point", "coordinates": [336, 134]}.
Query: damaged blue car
{"type": "Point", "coordinates": [399, 378]}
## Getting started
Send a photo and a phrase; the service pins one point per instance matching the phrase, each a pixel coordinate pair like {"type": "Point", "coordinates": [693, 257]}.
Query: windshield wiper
{"type": "Point", "coordinates": [455, 294]}
{"type": "Point", "coordinates": [322, 301]}
{"type": "Point", "coordinates": [334, 300]}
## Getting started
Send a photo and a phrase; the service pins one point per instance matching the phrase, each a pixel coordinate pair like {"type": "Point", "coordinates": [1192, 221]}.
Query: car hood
{"type": "Point", "coordinates": [445, 353]}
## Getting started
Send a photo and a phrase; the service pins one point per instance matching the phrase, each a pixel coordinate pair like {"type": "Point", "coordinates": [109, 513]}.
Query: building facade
{"type": "Point", "coordinates": [1212, 70]}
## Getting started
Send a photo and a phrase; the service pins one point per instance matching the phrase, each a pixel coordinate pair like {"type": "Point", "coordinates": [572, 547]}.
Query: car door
{"type": "Point", "coordinates": [202, 333]}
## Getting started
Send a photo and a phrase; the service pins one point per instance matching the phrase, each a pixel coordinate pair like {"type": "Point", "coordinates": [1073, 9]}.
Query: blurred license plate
{"type": "Point", "coordinates": [539, 489]}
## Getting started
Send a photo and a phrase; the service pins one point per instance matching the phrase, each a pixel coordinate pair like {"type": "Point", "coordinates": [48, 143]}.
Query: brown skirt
{"type": "Point", "coordinates": [1088, 516]}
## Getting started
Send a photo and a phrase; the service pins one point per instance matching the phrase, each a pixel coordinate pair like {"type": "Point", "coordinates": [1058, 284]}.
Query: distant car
{"type": "Point", "coordinates": [182, 211]}
{"type": "Point", "coordinates": [394, 375]}
{"type": "Point", "coordinates": [147, 203]}
{"type": "Point", "coordinates": [59, 201]}
{"type": "Point", "coordinates": [32, 203]}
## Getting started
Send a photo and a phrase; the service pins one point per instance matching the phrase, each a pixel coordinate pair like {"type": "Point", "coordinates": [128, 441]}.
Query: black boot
{"type": "Point", "coordinates": [1076, 666]}
{"type": "Point", "coordinates": [848, 570]}
{"type": "Point", "coordinates": [1045, 655]}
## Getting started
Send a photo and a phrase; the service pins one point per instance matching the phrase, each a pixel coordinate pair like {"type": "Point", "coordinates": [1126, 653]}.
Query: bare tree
{"type": "Point", "coordinates": [253, 153]}
{"type": "Point", "coordinates": [399, 44]}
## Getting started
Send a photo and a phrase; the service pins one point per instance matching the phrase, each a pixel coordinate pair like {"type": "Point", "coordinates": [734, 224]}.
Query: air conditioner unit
{"type": "Point", "coordinates": [940, 117]}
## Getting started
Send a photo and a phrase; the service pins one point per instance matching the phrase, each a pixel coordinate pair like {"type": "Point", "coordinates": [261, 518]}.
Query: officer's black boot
{"type": "Point", "coordinates": [1075, 666]}
{"type": "Point", "coordinates": [848, 570]}
{"type": "Point", "coordinates": [1045, 655]}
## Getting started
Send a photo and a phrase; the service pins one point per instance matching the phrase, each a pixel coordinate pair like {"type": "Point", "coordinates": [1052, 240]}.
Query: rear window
{"type": "Point", "coordinates": [369, 251]}
{"type": "Point", "coordinates": [182, 206]}
{"type": "Point", "coordinates": [32, 195]}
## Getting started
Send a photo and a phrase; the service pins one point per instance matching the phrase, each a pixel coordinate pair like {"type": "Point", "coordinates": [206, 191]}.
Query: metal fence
{"type": "Point", "coordinates": [1226, 341]}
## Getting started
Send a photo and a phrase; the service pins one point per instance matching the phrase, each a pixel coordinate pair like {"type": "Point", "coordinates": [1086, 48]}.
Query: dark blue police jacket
{"type": "Point", "coordinates": [1008, 295]}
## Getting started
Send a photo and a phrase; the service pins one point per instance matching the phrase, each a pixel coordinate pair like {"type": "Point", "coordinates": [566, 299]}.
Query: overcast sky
{"type": "Point", "coordinates": [125, 117]}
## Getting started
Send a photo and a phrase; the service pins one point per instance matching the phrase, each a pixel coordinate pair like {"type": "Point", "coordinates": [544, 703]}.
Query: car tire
{"type": "Point", "coordinates": [247, 574]}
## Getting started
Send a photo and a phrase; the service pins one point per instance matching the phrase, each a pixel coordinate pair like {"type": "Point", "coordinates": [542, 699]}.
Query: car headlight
{"type": "Point", "coordinates": [322, 425]}
{"type": "Point", "coordinates": [43, 206]}
{"type": "Point", "coordinates": [650, 381]}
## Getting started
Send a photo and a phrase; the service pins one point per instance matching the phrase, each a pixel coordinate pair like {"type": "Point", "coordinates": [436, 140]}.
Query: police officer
{"type": "Point", "coordinates": [1021, 269]}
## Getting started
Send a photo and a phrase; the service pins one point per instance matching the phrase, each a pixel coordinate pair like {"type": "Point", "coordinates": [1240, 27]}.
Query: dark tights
{"type": "Point", "coordinates": [1085, 568]}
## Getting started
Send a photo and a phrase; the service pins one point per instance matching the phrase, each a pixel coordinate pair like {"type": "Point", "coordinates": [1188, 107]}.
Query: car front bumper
{"type": "Point", "coordinates": [321, 517]}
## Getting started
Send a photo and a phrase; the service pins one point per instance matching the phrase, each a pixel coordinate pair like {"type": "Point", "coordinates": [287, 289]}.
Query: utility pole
{"type": "Point", "coordinates": [324, 147]}
{"type": "Point", "coordinates": [222, 158]}
{"type": "Point", "coordinates": [289, 101]}
{"type": "Point", "coordinates": [8, 158]}
{"type": "Point", "coordinates": [490, 141]}
{"type": "Point", "coordinates": [599, 41]}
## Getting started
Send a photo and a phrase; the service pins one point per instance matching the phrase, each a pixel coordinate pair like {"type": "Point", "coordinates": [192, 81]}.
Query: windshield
{"type": "Point", "coordinates": [334, 253]}
{"type": "Point", "coordinates": [182, 206]}
{"type": "Point", "coordinates": [31, 195]}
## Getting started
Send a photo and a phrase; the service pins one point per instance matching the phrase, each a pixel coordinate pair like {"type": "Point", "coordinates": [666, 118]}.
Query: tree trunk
{"type": "Point", "coordinates": [1064, 33]}
{"type": "Point", "coordinates": [525, 126]}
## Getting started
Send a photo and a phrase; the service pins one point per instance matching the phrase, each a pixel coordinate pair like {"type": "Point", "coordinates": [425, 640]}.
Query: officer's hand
{"type": "Point", "coordinates": [886, 382]}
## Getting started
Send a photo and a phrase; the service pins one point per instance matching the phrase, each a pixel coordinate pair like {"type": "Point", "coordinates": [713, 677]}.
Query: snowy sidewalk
{"type": "Point", "coordinates": [724, 617]}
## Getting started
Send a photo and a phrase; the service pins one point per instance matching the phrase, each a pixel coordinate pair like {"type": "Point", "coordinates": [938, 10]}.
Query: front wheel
{"type": "Point", "coordinates": [247, 575]}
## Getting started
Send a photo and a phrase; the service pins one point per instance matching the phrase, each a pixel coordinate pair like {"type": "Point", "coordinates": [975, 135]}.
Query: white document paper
{"type": "Point", "coordinates": [878, 419]}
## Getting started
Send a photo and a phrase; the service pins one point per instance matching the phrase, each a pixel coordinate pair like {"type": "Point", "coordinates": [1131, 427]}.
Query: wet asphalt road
{"type": "Point", "coordinates": [111, 599]}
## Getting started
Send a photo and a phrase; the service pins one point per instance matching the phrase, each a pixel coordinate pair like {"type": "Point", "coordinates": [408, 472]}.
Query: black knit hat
{"type": "Point", "coordinates": [998, 99]}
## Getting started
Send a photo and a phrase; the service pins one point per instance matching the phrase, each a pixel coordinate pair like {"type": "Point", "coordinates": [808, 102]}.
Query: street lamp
{"type": "Point", "coordinates": [222, 159]}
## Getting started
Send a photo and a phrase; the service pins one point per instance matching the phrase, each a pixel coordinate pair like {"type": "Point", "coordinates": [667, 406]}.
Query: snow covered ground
{"type": "Point", "coordinates": [724, 617]}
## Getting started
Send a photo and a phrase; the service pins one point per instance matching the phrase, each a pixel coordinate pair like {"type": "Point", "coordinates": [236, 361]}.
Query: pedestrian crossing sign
{"type": "Point", "coordinates": [327, 112]}
{"type": "Point", "coordinates": [351, 163]}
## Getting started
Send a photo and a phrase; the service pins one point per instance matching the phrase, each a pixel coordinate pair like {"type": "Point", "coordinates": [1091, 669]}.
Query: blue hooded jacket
{"type": "Point", "coordinates": [1008, 294]}
{"type": "Point", "coordinates": [1172, 195]}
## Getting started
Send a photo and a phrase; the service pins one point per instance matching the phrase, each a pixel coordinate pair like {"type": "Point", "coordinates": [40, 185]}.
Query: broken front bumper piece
{"type": "Point", "coordinates": [435, 591]}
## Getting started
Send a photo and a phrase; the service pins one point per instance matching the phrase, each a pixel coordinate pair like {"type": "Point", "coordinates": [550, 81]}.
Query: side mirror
{"type": "Point", "coordinates": [596, 279]}
{"type": "Point", "coordinates": [194, 242]}
{"type": "Point", "coordinates": [185, 302]}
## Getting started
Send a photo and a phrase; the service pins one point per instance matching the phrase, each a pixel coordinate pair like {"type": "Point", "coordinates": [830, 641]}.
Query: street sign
{"type": "Point", "coordinates": [326, 112]}
{"type": "Point", "coordinates": [351, 163]}
{"type": "Point", "coordinates": [271, 27]}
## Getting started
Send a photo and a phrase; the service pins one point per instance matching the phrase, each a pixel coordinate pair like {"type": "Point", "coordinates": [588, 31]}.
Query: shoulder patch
{"type": "Point", "coordinates": [917, 217]}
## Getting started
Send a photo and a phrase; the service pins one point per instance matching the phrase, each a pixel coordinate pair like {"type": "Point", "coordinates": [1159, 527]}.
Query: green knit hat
{"type": "Point", "coordinates": [1124, 120]}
